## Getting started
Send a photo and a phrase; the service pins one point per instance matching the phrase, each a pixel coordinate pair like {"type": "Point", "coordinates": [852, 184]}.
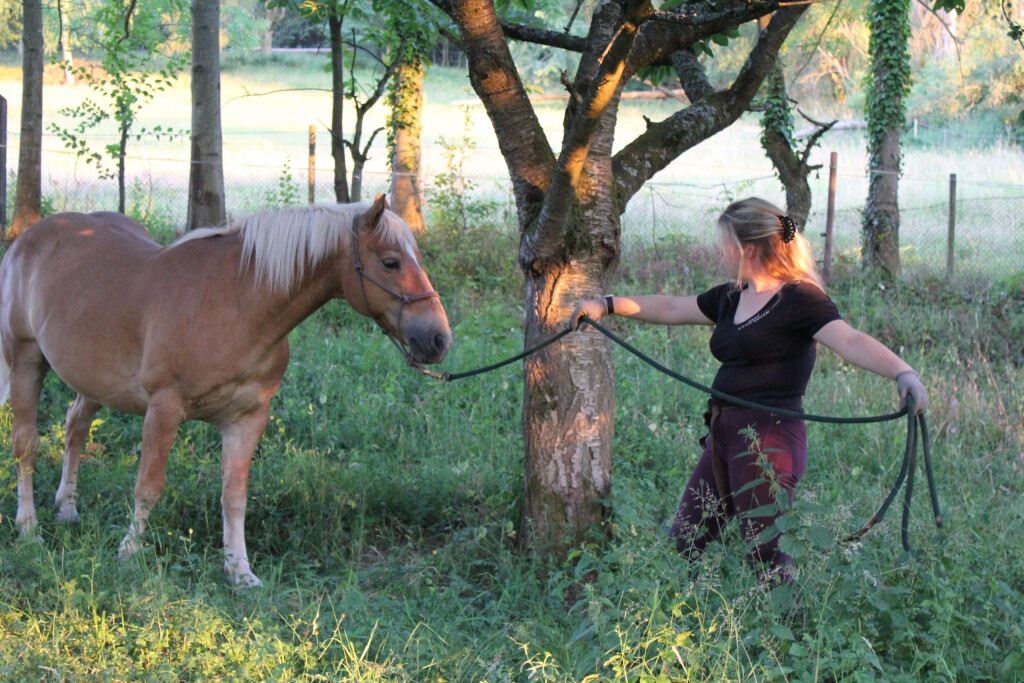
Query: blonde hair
{"type": "Point", "coordinates": [759, 223]}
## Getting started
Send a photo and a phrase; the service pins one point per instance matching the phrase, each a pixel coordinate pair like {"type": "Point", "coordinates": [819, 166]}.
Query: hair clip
{"type": "Point", "coordinates": [788, 228]}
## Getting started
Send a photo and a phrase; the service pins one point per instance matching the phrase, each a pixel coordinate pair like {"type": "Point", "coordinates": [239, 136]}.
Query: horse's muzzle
{"type": "Point", "coordinates": [428, 343]}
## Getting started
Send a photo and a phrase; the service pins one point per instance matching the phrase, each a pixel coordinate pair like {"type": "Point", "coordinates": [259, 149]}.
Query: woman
{"type": "Point", "coordinates": [767, 326]}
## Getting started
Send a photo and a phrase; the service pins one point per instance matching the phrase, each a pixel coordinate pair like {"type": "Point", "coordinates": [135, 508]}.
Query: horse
{"type": "Point", "coordinates": [196, 330]}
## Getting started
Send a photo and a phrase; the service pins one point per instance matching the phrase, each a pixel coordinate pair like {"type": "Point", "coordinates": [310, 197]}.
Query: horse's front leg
{"type": "Point", "coordinates": [163, 417]}
{"type": "Point", "coordinates": [78, 424]}
{"type": "Point", "coordinates": [239, 441]}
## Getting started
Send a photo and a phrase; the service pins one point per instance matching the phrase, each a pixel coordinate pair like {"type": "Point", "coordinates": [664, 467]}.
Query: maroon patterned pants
{"type": "Point", "coordinates": [757, 457]}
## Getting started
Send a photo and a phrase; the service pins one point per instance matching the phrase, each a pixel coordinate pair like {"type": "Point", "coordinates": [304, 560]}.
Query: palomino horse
{"type": "Point", "coordinates": [196, 330]}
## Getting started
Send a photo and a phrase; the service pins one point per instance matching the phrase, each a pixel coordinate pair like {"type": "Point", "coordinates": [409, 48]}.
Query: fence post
{"type": "Point", "coordinates": [830, 216]}
{"type": "Point", "coordinates": [952, 228]}
{"type": "Point", "coordinates": [3, 165]}
{"type": "Point", "coordinates": [312, 164]}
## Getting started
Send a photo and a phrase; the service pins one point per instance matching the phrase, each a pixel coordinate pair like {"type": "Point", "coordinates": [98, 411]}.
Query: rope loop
{"type": "Point", "coordinates": [915, 424]}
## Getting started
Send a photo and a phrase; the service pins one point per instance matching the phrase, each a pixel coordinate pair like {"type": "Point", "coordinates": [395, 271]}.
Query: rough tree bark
{"type": "Point", "coordinates": [569, 209]}
{"type": "Point", "coordinates": [28, 194]}
{"type": "Point", "coordinates": [206, 171]}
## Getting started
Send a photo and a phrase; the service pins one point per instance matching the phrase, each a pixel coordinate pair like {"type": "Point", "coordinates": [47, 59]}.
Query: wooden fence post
{"type": "Point", "coordinates": [312, 164]}
{"type": "Point", "coordinates": [830, 216]}
{"type": "Point", "coordinates": [951, 229]}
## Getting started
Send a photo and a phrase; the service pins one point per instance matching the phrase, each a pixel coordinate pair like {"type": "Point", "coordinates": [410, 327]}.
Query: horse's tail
{"type": "Point", "coordinates": [5, 379]}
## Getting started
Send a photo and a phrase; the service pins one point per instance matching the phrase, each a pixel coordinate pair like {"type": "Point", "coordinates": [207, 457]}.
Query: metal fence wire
{"type": "Point", "coordinates": [273, 169]}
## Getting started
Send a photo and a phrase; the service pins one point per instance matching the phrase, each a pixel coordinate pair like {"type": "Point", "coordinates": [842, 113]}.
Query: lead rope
{"type": "Point", "coordinates": [914, 423]}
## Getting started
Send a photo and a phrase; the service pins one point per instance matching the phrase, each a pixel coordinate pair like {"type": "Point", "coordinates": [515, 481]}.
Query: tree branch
{"type": "Point", "coordinates": [691, 74]}
{"type": "Point", "coordinates": [665, 140]}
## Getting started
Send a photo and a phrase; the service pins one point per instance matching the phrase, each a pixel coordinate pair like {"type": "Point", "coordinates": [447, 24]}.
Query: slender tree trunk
{"type": "Point", "coordinates": [407, 127]}
{"type": "Point", "coordinates": [886, 114]}
{"type": "Point", "coordinates": [777, 139]}
{"type": "Point", "coordinates": [65, 43]}
{"type": "Point", "coordinates": [28, 195]}
{"type": "Point", "coordinates": [206, 172]}
{"type": "Point", "coordinates": [273, 16]}
{"type": "Point", "coordinates": [335, 23]}
{"type": "Point", "coordinates": [122, 153]}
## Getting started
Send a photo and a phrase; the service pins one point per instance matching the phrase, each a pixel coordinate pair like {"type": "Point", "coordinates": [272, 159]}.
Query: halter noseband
{"type": "Point", "coordinates": [357, 263]}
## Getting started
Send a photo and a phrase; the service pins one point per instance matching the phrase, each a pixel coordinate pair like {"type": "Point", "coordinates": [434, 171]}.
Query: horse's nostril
{"type": "Point", "coordinates": [441, 342]}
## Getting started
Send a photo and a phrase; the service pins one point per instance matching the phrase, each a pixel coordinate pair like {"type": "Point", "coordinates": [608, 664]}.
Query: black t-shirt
{"type": "Point", "coordinates": [767, 358]}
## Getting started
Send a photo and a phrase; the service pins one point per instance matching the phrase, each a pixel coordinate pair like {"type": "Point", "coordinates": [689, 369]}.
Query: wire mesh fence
{"type": "Point", "coordinates": [273, 169]}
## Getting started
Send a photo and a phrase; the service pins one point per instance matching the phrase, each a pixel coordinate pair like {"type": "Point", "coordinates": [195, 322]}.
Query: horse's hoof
{"type": "Point", "coordinates": [69, 516]}
{"type": "Point", "coordinates": [245, 581]}
{"type": "Point", "coordinates": [129, 546]}
{"type": "Point", "coordinates": [27, 527]}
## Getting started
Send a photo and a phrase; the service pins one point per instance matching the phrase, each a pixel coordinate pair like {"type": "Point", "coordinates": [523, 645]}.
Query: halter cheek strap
{"type": "Point", "coordinates": [357, 264]}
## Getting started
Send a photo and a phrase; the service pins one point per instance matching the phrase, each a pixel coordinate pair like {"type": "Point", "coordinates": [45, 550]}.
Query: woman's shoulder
{"type": "Point", "coordinates": [805, 291]}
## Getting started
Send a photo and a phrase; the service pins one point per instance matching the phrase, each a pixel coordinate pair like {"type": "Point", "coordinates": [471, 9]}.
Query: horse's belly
{"type": "Point", "coordinates": [120, 392]}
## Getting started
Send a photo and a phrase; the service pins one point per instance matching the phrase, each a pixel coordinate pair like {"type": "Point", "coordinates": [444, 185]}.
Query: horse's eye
{"type": "Point", "coordinates": [391, 263]}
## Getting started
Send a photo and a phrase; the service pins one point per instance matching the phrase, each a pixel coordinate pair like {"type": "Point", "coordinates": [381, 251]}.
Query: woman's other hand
{"type": "Point", "coordinates": [908, 382]}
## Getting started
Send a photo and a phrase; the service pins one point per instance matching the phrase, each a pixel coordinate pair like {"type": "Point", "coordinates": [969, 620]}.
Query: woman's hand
{"type": "Point", "coordinates": [594, 309]}
{"type": "Point", "coordinates": [907, 382]}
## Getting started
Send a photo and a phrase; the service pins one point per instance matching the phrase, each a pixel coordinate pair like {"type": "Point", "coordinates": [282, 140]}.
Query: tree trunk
{"type": "Point", "coordinates": [569, 210]}
{"type": "Point", "coordinates": [274, 15]}
{"type": "Point", "coordinates": [206, 171]}
{"type": "Point", "coordinates": [65, 44]}
{"type": "Point", "coordinates": [886, 115]}
{"type": "Point", "coordinates": [122, 153]}
{"type": "Point", "coordinates": [777, 139]}
{"type": "Point", "coordinates": [335, 21]}
{"type": "Point", "coordinates": [28, 195]}
{"type": "Point", "coordinates": [407, 127]}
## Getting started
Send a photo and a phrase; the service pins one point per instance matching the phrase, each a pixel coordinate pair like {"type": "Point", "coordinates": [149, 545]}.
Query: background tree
{"type": "Point", "coordinates": [792, 167]}
{"type": "Point", "coordinates": [569, 206]}
{"type": "Point", "coordinates": [64, 45]}
{"type": "Point", "coordinates": [206, 170]}
{"type": "Point", "coordinates": [28, 195]}
{"type": "Point", "coordinates": [887, 88]}
{"type": "Point", "coordinates": [130, 38]}
{"type": "Point", "coordinates": [274, 16]}
{"type": "Point", "coordinates": [411, 33]}
{"type": "Point", "coordinates": [357, 35]}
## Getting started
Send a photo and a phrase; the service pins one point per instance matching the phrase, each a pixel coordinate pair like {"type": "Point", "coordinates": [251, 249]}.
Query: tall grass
{"type": "Point", "coordinates": [383, 509]}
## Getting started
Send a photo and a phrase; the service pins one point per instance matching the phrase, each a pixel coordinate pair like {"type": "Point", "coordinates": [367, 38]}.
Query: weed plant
{"type": "Point", "coordinates": [383, 508]}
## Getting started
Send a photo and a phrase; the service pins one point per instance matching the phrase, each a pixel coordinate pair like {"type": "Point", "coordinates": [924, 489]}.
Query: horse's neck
{"type": "Point", "coordinates": [317, 285]}
{"type": "Point", "coordinates": [275, 311]}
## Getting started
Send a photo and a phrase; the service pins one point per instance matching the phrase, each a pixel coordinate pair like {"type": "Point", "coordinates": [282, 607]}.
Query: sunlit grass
{"type": "Point", "coordinates": [383, 512]}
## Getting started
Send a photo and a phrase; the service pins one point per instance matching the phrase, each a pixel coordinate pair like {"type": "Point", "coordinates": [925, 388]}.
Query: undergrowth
{"type": "Point", "coordinates": [383, 508]}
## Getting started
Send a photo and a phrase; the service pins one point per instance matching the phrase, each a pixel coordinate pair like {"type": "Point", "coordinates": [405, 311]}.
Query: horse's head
{"type": "Point", "coordinates": [389, 285]}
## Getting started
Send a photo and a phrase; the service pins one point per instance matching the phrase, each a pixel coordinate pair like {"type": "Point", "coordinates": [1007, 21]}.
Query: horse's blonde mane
{"type": "Point", "coordinates": [280, 244]}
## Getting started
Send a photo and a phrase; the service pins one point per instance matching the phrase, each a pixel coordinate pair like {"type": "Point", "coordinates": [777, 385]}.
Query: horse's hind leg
{"type": "Point", "coordinates": [79, 422]}
{"type": "Point", "coordinates": [28, 369]}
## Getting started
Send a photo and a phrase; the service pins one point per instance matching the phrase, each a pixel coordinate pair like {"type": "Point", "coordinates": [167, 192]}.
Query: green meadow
{"type": "Point", "coordinates": [384, 504]}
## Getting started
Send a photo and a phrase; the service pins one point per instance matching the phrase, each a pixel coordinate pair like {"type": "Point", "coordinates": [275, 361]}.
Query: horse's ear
{"type": "Point", "coordinates": [371, 219]}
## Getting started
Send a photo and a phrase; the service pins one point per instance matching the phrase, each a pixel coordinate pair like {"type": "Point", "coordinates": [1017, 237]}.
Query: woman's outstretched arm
{"type": "Point", "coordinates": [651, 308]}
{"type": "Point", "coordinates": [865, 351]}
